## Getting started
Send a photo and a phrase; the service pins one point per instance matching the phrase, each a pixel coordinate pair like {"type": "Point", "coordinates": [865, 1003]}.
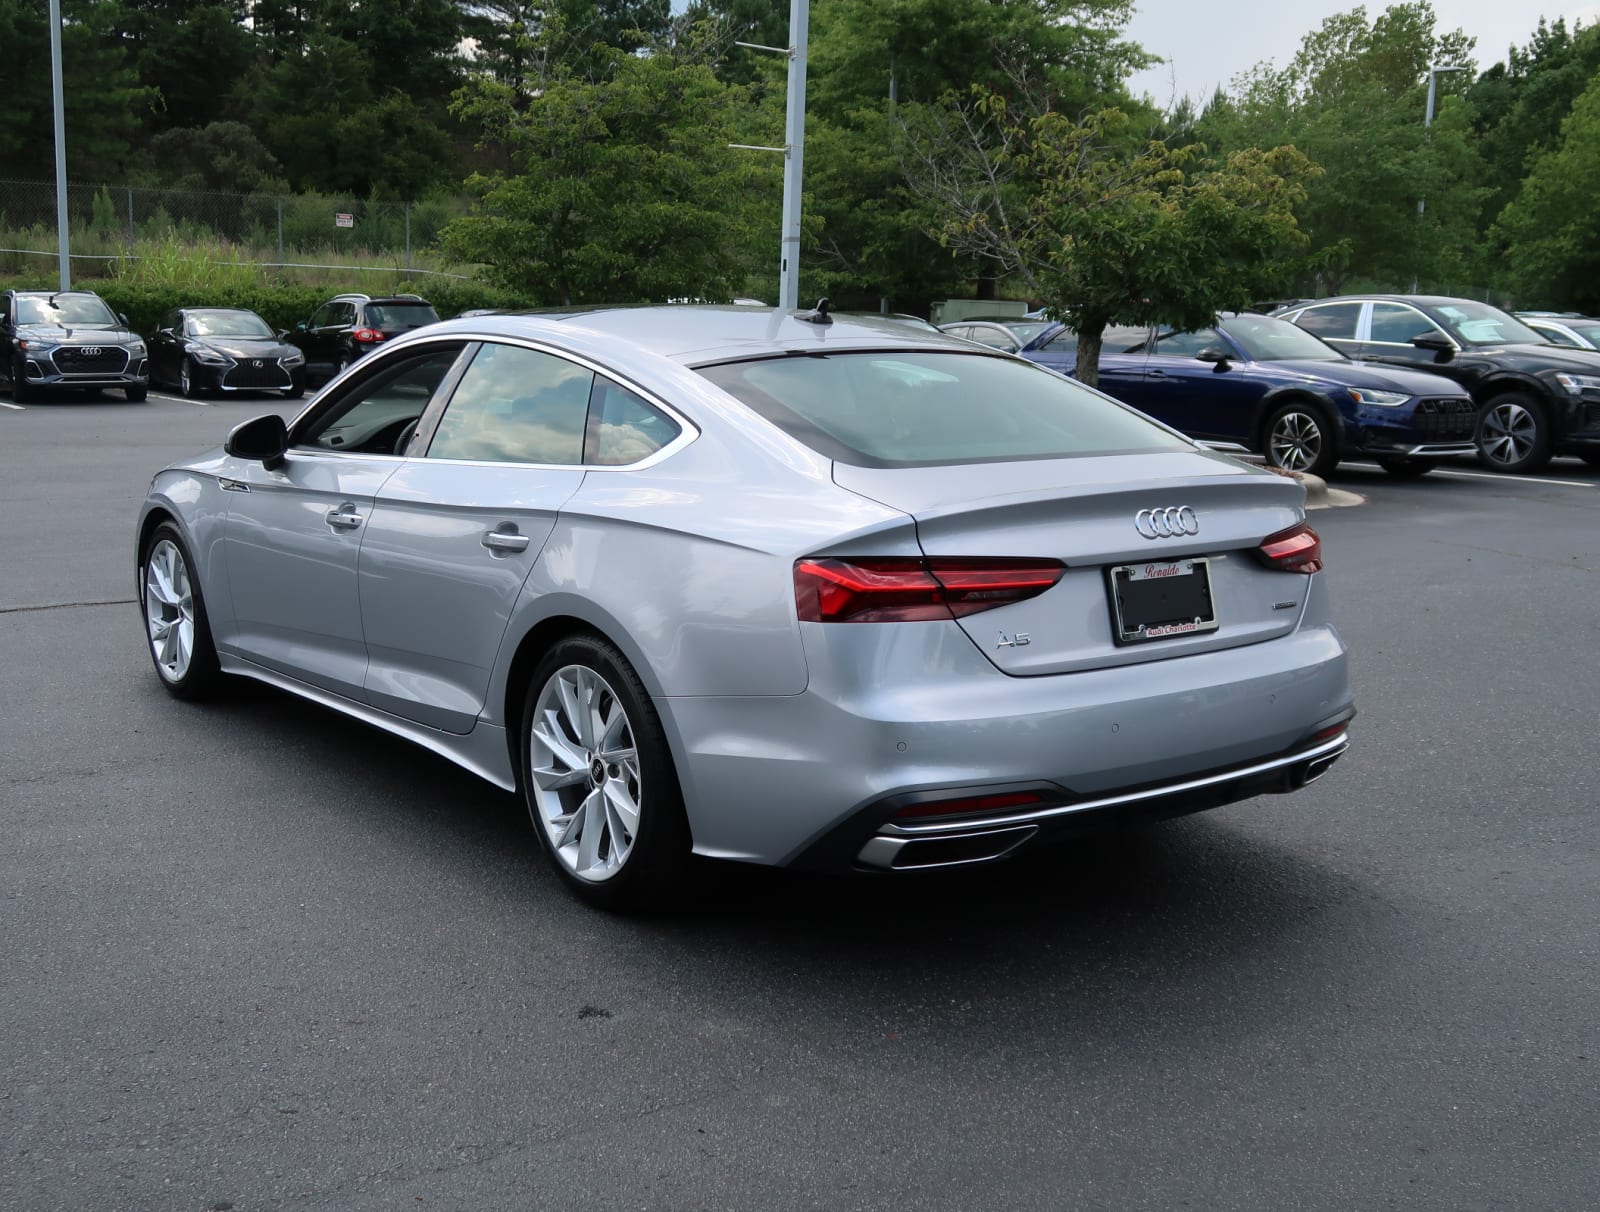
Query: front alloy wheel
{"type": "Point", "coordinates": [1299, 438]}
{"type": "Point", "coordinates": [599, 781]}
{"type": "Point", "coordinates": [176, 626]}
{"type": "Point", "coordinates": [1512, 435]}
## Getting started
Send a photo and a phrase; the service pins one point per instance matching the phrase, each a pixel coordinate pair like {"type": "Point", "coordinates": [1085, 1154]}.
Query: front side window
{"type": "Point", "coordinates": [1331, 321]}
{"type": "Point", "coordinates": [516, 405]}
{"type": "Point", "coordinates": [1188, 344]}
{"type": "Point", "coordinates": [382, 406]}
{"type": "Point", "coordinates": [1397, 324]}
{"type": "Point", "coordinates": [917, 408]}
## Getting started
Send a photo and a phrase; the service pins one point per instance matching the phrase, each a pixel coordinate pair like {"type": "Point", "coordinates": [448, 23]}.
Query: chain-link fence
{"type": "Point", "coordinates": [106, 222]}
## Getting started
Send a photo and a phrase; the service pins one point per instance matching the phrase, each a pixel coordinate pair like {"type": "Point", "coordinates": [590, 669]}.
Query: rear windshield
{"type": "Point", "coordinates": [910, 409]}
{"type": "Point", "coordinates": [400, 315]}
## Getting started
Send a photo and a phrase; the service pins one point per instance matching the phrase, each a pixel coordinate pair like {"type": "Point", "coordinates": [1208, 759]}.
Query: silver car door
{"type": "Point", "coordinates": [455, 532]}
{"type": "Point", "coordinates": [294, 531]}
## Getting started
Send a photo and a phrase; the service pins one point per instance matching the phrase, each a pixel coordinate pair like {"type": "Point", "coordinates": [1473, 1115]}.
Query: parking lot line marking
{"type": "Point", "coordinates": [16, 407]}
{"type": "Point", "coordinates": [156, 395]}
{"type": "Point", "coordinates": [1489, 475]}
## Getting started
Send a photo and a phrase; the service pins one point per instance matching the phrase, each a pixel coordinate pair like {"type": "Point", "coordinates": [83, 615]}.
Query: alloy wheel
{"type": "Point", "coordinates": [169, 610]}
{"type": "Point", "coordinates": [1295, 442]}
{"type": "Point", "coordinates": [584, 768]}
{"type": "Point", "coordinates": [1507, 433]}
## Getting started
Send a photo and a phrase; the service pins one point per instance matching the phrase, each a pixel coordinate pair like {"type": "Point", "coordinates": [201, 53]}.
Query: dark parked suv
{"type": "Point", "coordinates": [64, 340]}
{"type": "Point", "coordinates": [1534, 399]}
{"type": "Point", "coordinates": [347, 326]}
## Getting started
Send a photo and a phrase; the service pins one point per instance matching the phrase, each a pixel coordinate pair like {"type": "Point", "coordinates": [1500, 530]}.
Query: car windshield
{"type": "Point", "coordinates": [1265, 339]}
{"type": "Point", "coordinates": [1479, 324]}
{"type": "Point", "coordinates": [64, 310]}
{"type": "Point", "coordinates": [400, 315]}
{"type": "Point", "coordinates": [227, 324]}
{"type": "Point", "coordinates": [911, 409]}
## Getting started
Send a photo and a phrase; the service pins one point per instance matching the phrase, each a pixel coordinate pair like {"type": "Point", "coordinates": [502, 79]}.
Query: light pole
{"type": "Point", "coordinates": [61, 146]}
{"type": "Point", "coordinates": [1427, 121]}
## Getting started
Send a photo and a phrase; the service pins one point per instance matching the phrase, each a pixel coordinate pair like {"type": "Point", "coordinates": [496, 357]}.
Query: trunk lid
{"type": "Point", "coordinates": [1082, 512]}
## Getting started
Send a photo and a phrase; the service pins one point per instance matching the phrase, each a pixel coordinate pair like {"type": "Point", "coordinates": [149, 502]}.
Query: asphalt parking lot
{"type": "Point", "coordinates": [253, 955]}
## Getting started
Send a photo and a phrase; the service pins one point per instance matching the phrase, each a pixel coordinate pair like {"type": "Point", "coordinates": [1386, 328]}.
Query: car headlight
{"type": "Point", "coordinates": [35, 345]}
{"type": "Point", "coordinates": [1578, 384]}
{"type": "Point", "coordinates": [1385, 399]}
{"type": "Point", "coordinates": [137, 350]}
{"type": "Point", "coordinates": [293, 358]}
{"type": "Point", "coordinates": [208, 357]}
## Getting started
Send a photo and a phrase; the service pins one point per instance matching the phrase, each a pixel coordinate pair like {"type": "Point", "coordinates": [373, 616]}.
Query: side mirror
{"type": "Point", "coordinates": [283, 334]}
{"type": "Point", "coordinates": [300, 326]}
{"type": "Point", "coordinates": [1216, 354]}
{"type": "Point", "coordinates": [263, 439]}
{"type": "Point", "coordinates": [123, 316]}
{"type": "Point", "coordinates": [1437, 342]}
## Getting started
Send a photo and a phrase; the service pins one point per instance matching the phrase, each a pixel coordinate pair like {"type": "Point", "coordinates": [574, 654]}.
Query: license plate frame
{"type": "Point", "coordinates": [1161, 600]}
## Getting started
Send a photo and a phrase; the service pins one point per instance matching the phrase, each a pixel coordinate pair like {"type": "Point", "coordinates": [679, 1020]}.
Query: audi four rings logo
{"type": "Point", "coordinates": [1167, 523]}
{"type": "Point", "coordinates": [91, 351]}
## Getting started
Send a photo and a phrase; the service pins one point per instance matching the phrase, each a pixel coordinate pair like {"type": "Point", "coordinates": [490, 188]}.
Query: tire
{"type": "Point", "coordinates": [21, 393]}
{"type": "Point", "coordinates": [296, 388]}
{"type": "Point", "coordinates": [188, 385]}
{"type": "Point", "coordinates": [1406, 469]}
{"type": "Point", "coordinates": [137, 394]}
{"type": "Point", "coordinates": [1513, 434]}
{"type": "Point", "coordinates": [583, 704]}
{"type": "Point", "coordinates": [179, 634]}
{"type": "Point", "coordinates": [1300, 436]}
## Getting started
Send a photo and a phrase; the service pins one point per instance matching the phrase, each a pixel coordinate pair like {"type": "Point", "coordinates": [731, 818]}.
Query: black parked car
{"type": "Point", "coordinates": [347, 326]}
{"type": "Point", "coordinates": [53, 341]}
{"type": "Point", "coordinates": [204, 349]}
{"type": "Point", "coordinates": [1534, 399]}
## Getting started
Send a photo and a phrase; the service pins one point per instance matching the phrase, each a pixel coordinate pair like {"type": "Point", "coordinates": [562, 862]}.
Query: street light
{"type": "Point", "coordinates": [1427, 121]}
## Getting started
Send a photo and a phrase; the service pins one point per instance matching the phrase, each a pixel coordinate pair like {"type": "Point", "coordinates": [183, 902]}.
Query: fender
{"type": "Point", "coordinates": [1296, 391]}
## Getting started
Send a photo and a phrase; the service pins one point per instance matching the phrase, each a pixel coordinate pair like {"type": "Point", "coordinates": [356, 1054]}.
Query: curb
{"type": "Point", "coordinates": [1320, 496]}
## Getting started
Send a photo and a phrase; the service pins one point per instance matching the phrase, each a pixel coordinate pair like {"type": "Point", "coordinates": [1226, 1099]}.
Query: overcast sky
{"type": "Point", "coordinates": [1205, 45]}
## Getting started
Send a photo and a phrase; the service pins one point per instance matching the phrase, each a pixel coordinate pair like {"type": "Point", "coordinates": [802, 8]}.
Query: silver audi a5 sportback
{"type": "Point", "coordinates": [776, 587]}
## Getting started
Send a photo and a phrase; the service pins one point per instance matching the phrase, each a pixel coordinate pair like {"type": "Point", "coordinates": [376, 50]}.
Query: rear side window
{"type": "Point", "coordinates": [1331, 322]}
{"type": "Point", "coordinates": [623, 429]}
{"type": "Point", "coordinates": [907, 409]}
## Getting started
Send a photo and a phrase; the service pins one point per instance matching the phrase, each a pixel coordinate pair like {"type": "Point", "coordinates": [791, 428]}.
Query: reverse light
{"type": "Point", "coordinates": [903, 589]}
{"type": "Point", "coordinates": [1297, 549]}
{"type": "Point", "coordinates": [367, 336]}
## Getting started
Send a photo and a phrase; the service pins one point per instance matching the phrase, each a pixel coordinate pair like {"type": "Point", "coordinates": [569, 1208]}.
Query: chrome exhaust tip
{"type": "Point", "coordinates": [886, 853]}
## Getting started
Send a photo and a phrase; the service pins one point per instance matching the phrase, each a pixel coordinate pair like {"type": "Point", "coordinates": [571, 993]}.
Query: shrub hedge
{"type": "Point", "coordinates": [281, 306]}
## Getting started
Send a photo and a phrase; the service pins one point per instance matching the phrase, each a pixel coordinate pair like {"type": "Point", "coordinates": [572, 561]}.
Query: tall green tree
{"type": "Point", "coordinates": [625, 189]}
{"type": "Point", "coordinates": [1163, 234]}
{"type": "Point", "coordinates": [1353, 99]}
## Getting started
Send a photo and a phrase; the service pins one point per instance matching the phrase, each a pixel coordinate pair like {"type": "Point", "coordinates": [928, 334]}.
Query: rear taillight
{"type": "Point", "coordinates": [1297, 549]}
{"type": "Point", "coordinates": [899, 589]}
{"type": "Point", "coordinates": [367, 336]}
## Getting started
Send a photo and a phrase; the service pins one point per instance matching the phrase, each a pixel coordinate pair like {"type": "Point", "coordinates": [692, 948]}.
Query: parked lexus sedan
{"type": "Point", "coordinates": [758, 586]}
{"type": "Point", "coordinates": [1534, 399]}
{"type": "Point", "coordinates": [58, 341]}
{"type": "Point", "coordinates": [1276, 390]}
{"type": "Point", "coordinates": [200, 350]}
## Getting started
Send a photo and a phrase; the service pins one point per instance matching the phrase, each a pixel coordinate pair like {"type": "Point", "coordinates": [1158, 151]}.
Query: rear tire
{"type": "Point", "coordinates": [1300, 436]}
{"type": "Point", "coordinates": [1513, 434]}
{"type": "Point", "coordinates": [177, 628]}
{"type": "Point", "coordinates": [1407, 469]}
{"type": "Point", "coordinates": [598, 779]}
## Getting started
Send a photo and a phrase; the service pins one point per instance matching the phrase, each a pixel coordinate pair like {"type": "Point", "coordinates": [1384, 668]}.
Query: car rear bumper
{"type": "Point", "coordinates": [809, 779]}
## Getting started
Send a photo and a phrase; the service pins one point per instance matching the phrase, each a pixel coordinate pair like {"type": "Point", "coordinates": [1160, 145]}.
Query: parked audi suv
{"type": "Point", "coordinates": [56, 341]}
{"type": "Point", "coordinates": [1535, 399]}
{"type": "Point", "coordinates": [1266, 385]}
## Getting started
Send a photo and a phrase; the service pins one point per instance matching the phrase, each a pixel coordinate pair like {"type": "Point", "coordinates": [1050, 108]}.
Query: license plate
{"type": "Point", "coordinates": [1161, 599]}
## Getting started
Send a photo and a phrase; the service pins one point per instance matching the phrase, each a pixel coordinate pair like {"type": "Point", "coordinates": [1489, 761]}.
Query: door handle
{"type": "Point", "coordinates": [504, 541]}
{"type": "Point", "coordinates": [1155, 374]}
{"type": "Point", "coordinates": [344, 517]}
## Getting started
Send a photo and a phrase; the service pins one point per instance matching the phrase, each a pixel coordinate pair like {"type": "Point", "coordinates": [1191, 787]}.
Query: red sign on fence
{"type": "Point", "coordinates": [343, 220]}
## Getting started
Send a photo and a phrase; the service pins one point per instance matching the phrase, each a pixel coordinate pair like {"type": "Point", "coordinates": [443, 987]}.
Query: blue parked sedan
{"type": "Point", "coordinates": [1279, 391]}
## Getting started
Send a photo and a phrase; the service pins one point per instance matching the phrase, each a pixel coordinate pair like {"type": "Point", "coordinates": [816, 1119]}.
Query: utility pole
{"type": "Point", "coordinates": [61, 146]}
{"type": "Point", "coordinates": [793, 150]}
{"type": "Point", "coordinates": [1427, 121]}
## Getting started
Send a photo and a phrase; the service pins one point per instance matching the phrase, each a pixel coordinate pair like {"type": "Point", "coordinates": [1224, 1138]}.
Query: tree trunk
{"type": "Point", "coordinates": [986, 286]}
{"type": "Point", "coordinates": [1089, 336]}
